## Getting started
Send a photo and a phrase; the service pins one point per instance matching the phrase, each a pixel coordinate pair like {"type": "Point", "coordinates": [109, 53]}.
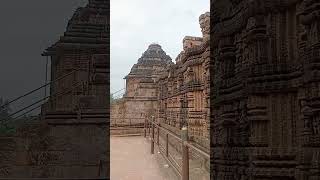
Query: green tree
{"type": "Point", "coordinates": [4, 116]}
{"type": "Point", "coordinates": [111, 98]}
{"type": "Point", "coordinates": [4, 110]}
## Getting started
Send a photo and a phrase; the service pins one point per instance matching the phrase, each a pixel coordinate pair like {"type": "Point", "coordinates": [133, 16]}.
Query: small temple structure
{"type": "Point", "coordinates": [78, 97]}
{"type": "Point", "coordinates": [140, 98]}
{"type": "Point", "coordinates": [83, 50]}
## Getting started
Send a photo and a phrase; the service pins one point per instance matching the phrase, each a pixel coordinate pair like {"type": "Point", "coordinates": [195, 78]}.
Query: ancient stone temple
{"type": "Point", "coordinates": [266, 89]}
{"type": "Point", "coordinates": [140, 98]}
{"type": "Point", "coordinates": [80, 117]}
{"type": "Point", "coordinates": [176, 94]}
{"type": "Point", "coordinates": [71, 140]}
{"type": "Point", "coordinates": [184, 88]}
{"type": "Point", "coordinates": [83, 53]}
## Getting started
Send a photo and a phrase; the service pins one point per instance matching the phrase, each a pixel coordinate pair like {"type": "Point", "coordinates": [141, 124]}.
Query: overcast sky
{"type": "Point", "coordinates": [137, 23]}
{"type": "Point", "coordinates": [27, 28]}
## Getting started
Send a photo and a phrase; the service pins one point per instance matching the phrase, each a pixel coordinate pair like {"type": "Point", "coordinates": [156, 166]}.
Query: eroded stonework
{"type": "Point", "coordinates": [184, 88]}
{"type": "Point", "coordinates": [266, 89]}
{"type": "Point", "coordinates": [140, 98]}
{"type": "Point", "coordinates": [176, 94]}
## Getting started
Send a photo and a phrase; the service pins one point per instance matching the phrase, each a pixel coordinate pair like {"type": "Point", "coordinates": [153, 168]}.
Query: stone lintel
{"type": "Point", "coordinates": [71, 46]}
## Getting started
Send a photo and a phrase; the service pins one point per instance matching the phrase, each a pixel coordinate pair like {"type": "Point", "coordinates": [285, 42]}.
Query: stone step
{"type": "Point", "coordinates": [126, 131]}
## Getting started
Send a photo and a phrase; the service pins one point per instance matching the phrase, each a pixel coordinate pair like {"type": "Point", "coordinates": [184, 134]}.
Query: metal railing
{"type": "Point", "coordinates": [39, 88]}
{"type": "Point", "coordinates": [13, 117]}
{"type": "Point", "coordinates": [149, 128]}
{"type": "Point", "coordinates": [62, 77]}
{"type": "Point", "coordinates": [53, 97]}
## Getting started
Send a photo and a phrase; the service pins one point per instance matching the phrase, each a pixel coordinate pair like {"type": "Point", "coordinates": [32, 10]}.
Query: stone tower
{"type": "Point", "coordinates": [140, 98]}
{"type": "Point", "coordinates": [83, 53]}
{"type": "Point", "coordinates": [150, 65]}
{"type": "Point", "coordinates": [77, 111]}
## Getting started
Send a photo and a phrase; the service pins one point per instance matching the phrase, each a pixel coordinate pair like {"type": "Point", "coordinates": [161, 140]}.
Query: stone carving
{"type": "Point", "coordinates": [186, 100]}
{"type": "Point", "coordinates": [265, 88]}
{"type": "Point", "coordinates": [205, 25]}
{"type": "Point", "coordinates": [4, 171]}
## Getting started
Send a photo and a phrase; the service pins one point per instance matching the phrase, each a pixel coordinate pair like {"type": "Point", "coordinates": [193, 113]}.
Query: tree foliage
{"type": "Point", "coordinates": [4, 116]}
{"type": "Point", "coordinates": [5, 110]}
{"type": "Point", "coordinates": [111, 98]}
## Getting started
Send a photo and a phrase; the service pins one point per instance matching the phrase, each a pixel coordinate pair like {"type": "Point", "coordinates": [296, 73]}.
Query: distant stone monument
{"type": "Point", "coordinates": [140, 98]}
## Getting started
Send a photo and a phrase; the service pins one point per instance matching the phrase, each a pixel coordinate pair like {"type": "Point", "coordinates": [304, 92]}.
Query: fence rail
{"type": "Point", "coordinates": [37, 89]}
{"type": "Point", "coordinates": [182, 171]}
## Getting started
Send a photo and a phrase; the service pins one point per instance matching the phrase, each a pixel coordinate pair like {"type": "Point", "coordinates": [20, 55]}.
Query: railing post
{"type": "Point", "coordinates": [185, 154]}
{"type": "Point", "coordinates": [158, 134]}
{"type": "Point", "coordinates": [149, 127]}
{"type": "Point", "coordinates": [145, 127]}
{"type": "Point", "coordinates": [167, 145]}
{"type": "Point", "coordinates": [152, 138]}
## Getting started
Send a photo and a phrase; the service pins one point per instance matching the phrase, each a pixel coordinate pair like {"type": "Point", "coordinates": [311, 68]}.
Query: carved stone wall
{"type": "Point", "coordinates": [265, 89]}
{"type": "Point", "coordinates": [184, 88]}
{"type": "Point", "coordinates": [39, 151]}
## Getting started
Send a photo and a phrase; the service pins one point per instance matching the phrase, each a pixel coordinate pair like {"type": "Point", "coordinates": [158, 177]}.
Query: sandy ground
{"type": "Point", "coordinates": [131, 160]}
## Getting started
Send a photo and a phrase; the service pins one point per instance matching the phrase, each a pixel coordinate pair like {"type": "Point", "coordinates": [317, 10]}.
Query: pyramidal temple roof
{"type": "Point", "coordinates": [153, 57]}
{"type": "Point", "coordinates": [154, 54]}
{"type": "Point", "coordinates": [88, 28]}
